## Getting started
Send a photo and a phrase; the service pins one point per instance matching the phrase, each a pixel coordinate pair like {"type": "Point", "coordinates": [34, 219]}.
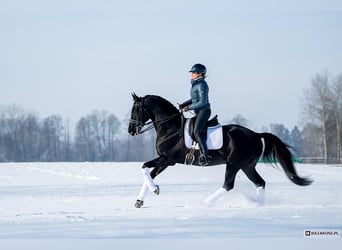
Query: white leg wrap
{"type": "Point", "coordinates": [260, 192]}
{"type": "Point", "coordinates": [215, 197]}
{"type": "Point", "coordinates": [148, 180]}
{"type": "Point", "coordinates": [143, 192]}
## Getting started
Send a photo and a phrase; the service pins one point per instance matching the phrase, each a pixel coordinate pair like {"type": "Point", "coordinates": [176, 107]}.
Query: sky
{"type": "Point", "coordinates": [73, 57]}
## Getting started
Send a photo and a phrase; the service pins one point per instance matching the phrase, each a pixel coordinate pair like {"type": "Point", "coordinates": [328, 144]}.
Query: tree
{"type": "Point", "coordinates": [95, 137]}
{"type": "Point", "coordinates": [113, 124]}
{"type": "Point", "coordinates": [317, 106]}
{"type": "Point", "coordinates": [29, 130]}
{"type": "Point", "coordinates": [67, 149]}
{"type": "Point", "coordinates": [12, 133]}
{"type": "Point", "coordinates": [312, 142]}
{"type": "Point", "coordinates": [82, 141]}
{"type": "Point", "coordinates": [281, 131]}
{"type": "Point", "coordinates": [297, 141]}
{"type": "Point", "coordinates": [52, 138]}
{"type": "Point", "coordinates": [141, 148]}
{"type": "Point", "coordinates": [337, 111]}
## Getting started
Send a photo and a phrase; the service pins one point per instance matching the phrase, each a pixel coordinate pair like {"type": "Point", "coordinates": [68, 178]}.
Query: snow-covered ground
{"type": "Point", "coordinates": [96, 201]}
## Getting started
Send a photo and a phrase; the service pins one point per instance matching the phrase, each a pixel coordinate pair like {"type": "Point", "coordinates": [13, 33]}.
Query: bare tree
{"type": "Point", "coordinates": [318, 104]}
{"type": "Point", "coordinates": [95, 136]}
{"type": "Point", "coordinates": [11, 133]}
{"type": "Point", "coordinates": [67, 151]}
{"type": "Point", "coordinates": [52, 137]}
{"type": "Point", "coordinates": [83, 141]}
{"type": "Point", "coordinates": [113, 125]}
{"type": "Point", "coordinates": [337, 111]}
{"type": "Point", "coordinates": [29, 137]}
{"type": "Point", "coordinates": [312, 140]}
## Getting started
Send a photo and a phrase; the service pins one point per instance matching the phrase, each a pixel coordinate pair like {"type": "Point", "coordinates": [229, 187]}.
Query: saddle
{"type": "Point", "coordinates": [210, 123]}
{"type": "Point", "coordinates": [214, 136]}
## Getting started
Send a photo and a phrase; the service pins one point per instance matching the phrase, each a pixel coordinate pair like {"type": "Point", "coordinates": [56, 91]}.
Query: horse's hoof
{"type": "Point", "coordinates": [139, 203]}
{"type": "Point", "coordinates": [157, 191]}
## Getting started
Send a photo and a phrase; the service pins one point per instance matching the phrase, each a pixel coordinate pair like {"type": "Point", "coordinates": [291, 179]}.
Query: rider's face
{"type": "Point", "coordinates": [195, 75]}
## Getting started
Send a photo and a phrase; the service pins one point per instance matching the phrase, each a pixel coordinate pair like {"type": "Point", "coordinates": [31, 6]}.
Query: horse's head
{"type": "Point", "coordinates": [139, 115]}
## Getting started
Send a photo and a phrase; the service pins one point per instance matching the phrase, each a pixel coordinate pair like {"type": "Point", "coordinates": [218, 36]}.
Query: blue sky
{"type": "Point", "coordinates": [71, 57]}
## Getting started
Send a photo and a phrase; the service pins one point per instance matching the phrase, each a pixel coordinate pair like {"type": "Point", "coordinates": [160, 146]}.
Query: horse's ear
{"type": "Point", "coordinates": [135, 97]}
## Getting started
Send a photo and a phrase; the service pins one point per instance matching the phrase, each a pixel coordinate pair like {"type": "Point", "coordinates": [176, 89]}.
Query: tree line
{"type": "Point", "coordinates": [101, 136]}
{"type": "Point", "coordinates": [25, 137]}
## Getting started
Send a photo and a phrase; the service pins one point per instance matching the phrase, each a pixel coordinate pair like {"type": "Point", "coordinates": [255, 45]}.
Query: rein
{"type": "Point", "coordinates": [151, 123]}
{"type": "Point", "coordinates": [140, 124]}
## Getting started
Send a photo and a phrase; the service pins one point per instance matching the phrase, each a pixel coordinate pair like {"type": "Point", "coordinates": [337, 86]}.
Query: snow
{"type": "Point", "coordinates": [96, 201]}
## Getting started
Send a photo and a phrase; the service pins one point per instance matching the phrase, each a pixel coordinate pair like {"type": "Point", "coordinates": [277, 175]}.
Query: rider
{"type": "Point", "coordinates": [199, 103]}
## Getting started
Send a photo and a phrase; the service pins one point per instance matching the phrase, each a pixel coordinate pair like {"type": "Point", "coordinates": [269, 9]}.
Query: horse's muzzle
{"type": "Point", "coordinates": [133, 129]}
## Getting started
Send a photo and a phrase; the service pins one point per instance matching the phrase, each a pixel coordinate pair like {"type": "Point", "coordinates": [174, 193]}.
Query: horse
{"type": "Point", "coordinates": [241, 150]}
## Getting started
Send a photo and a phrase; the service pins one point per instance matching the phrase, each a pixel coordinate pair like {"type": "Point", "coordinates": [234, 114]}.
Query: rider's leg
{"type": "Point", "coordinates": [200, 124]}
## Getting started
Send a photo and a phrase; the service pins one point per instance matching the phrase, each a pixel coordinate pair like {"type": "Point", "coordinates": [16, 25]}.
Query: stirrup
{"type": "Point", "coordinates": [190, 156]}
{"type": "Point", "coordinates": [203, 160]}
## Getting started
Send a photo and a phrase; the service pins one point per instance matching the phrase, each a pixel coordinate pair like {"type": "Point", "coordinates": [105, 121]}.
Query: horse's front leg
{"type": "Point", "coordinates": [159, 165]}
{"type": "Point", "coordinates": [141, 196]}
{"type": "Point", "coordinates": [148, 181]}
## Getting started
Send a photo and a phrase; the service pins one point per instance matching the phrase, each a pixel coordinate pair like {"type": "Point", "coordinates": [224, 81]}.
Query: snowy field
{"type": "Point", "coordinates": [96, 201]}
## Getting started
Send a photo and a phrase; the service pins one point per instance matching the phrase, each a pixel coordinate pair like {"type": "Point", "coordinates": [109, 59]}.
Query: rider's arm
{"type": "Point", "coordinates": [186, 103]}
{"type": "Point", "coordinates": [202, 92]}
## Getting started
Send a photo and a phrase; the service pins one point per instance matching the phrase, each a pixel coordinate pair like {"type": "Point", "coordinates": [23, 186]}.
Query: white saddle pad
{"type": "Point", "coordinates": [214, 137]}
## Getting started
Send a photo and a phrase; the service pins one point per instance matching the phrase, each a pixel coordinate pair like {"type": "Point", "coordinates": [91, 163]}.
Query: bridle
{"type": "Point", "coordinates": [150, 125]}
{"type": "Point", "coordinates": [139, 123]}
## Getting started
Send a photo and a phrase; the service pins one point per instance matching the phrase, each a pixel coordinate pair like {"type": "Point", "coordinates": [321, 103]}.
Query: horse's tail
{"type": "Point", "coordinates": [276, 149]}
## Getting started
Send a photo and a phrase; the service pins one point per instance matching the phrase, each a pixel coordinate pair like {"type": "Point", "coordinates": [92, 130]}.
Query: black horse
{"type": "Point", "coordinates": [242, 148]}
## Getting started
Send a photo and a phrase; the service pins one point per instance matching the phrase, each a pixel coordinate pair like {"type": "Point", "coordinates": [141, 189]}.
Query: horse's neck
{"type": "Point", "coordinates": [164, 119]}
{"type": "Point", "coordinates": [167, 117]}
{"type": "Point", "coordinates": [159, 110]}
{"type": "Point", "coordinates": [163, 116]}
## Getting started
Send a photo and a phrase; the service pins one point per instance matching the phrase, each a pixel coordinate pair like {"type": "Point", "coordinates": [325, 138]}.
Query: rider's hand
{"type": "Point", "coordinates": [186, 108]}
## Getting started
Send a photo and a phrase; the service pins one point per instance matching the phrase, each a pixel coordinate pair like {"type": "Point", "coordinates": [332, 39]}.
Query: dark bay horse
{"type": "Point", "coordinates": [241, 150]}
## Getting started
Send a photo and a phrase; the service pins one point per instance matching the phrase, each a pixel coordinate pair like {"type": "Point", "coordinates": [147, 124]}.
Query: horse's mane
{"type": "Point", "coordinates": [163, 102]}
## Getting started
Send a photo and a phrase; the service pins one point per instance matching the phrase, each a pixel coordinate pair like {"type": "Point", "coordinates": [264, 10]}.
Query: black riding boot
{"type": "Point", "coordinates": [204, 158]}
{"type": "Point", "coordinates": [199, 130]}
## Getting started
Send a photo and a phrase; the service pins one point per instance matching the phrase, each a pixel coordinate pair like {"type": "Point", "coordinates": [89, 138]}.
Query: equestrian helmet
{"type": "Point", "coordinates": [199, 68]}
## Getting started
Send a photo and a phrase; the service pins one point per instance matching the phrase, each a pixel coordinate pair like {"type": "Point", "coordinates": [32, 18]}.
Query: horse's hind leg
{"type": "Point", "coordinates": [230, 175]}
{"type": "Point", "coordinates": [258, 181]}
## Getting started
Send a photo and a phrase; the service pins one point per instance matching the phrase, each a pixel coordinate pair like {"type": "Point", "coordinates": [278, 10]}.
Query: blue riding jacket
{"type": "Point", "coordinates": [199, 96]}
